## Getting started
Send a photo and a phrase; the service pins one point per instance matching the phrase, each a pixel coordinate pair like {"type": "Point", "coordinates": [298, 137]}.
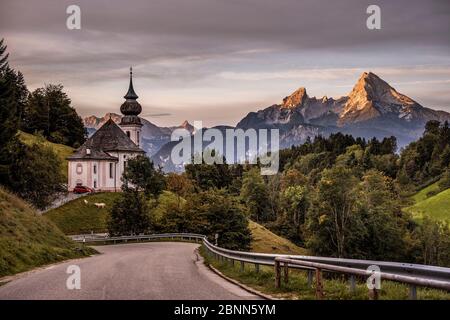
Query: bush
{"type": "Point", "coordinates": [214, 211]}
{"type": "Point", "coordinates": [432, 193]}
{"type": "Point", "coordinates": [129, 215]}
{"type": "Point", "coordinates": [444, 183]}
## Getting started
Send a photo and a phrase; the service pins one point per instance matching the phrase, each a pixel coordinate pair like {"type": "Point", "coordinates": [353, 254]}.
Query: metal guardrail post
{"type": "Point", "coordinates": [310, 278]}
{"type": "Point", "coordinates": [373, 294]}
{"type": "Point", "coordinates": [319, 285]}
{"type": "Point", "coordinates": [412, 292]}
{"type": "Point", "coordinates": [352, 284]}
{"type": "Point", "coordinates": [256, 268]}
{"type": "Point", "coordinates": [277, 274]}
{"type": "Point", "coordinates": [242, 266]}
{"type": "Point", "coordinates": [286, 273]}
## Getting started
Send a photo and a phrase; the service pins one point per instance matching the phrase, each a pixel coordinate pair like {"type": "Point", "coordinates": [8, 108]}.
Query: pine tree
{"type": "Point", "coordinates": [49, 112]}
{"type": "Point", "coordinates": [13, 94]}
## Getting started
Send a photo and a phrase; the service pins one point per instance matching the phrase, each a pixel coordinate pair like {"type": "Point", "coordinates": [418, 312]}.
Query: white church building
{"type": "Point", "coordinates": [100, 162]}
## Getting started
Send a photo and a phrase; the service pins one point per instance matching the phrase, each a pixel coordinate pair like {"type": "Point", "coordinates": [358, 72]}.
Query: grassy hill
{"type": "Point", "coordinates": [266, 241]}
{"type": "Point", "coordinates": [435, 207]}
{"type": "Point", "coordinates": [62, 151]}
{"type": "Point", "coordinates": [28, 240]}
{"type": "Point", "coordinates": [77, 217]}
{"type": "Point", "coordinates": [425, 192]}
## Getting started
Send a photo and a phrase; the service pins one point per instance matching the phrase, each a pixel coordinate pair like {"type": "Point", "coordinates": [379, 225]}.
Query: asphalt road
{"type": "Point", "coordinates": [149, 271]}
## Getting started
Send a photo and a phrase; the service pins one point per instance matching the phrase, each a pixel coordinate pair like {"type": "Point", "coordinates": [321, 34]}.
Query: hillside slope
{"type": "Point", "coordinates": [28, 240]}
{"type": "Point", "coordinates": [62, 151]}
{"type": "Point", "coordinates": [424, 193]}
{"type": "Point", "coordinates": [266, 241]}
{"type": "Point", "coordinates": [77, 217]}
{"type": "Point", "coordinates": [436, 207]}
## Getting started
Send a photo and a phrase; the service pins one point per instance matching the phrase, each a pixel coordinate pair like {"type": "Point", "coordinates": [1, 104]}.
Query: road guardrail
{"type": "Point", "coordinates": [412, 274]}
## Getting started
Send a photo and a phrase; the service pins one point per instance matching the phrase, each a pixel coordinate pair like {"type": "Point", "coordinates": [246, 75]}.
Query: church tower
{"type": "Point", "coordinates": [131, 123]}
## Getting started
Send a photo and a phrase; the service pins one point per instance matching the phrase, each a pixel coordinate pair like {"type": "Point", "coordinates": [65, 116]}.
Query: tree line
{"type": "Point", "coordinates": [34, 171]}
{"type": "Point", "coordinates": [336, 196]}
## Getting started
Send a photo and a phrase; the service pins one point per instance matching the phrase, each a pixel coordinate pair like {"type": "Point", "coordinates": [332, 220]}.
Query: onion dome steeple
{"type": "Point", "coordinates": [131, 95]}
{"type": "Point", "coordinates": [131, 108]}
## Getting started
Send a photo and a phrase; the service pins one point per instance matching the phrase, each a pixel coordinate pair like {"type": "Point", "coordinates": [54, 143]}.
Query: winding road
{"type": "Point", "coordinates": [144, 271]}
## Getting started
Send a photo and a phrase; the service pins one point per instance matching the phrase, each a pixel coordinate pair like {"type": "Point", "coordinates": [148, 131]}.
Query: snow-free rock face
{"type": "Point", "coordinates": [372, 108]}
{"type": "Point", "coordinates": [373, 98]}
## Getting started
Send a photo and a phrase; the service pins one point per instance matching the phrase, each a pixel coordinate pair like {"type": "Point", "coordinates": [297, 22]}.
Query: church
{"type": "Point", "coordinates": [100, 162]}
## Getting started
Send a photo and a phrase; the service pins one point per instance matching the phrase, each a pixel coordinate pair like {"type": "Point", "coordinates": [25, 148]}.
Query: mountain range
{"type": "Point", "coordinates": [372, 109]}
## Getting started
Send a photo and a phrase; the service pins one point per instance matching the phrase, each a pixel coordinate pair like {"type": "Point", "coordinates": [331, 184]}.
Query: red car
{"type": "Point", "coordinates": [82, 189]}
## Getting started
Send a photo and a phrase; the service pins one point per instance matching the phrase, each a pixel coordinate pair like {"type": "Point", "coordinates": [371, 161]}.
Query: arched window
{"type": "Point", "coordinates": [79, 168]}
{"type": "Point", "coordinates": [137, 133]}
{"type": "Point", "coordinates": [95, 169]}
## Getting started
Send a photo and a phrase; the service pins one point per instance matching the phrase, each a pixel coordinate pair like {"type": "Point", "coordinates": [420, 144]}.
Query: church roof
{"type": "Point", "coordinates": [106, 139]}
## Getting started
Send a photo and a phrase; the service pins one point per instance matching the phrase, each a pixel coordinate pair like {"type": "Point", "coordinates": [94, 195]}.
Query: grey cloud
{"type": "Point", "coordinates": [293, 23]}
{"type": "Point", "coordinates": [157, 115]}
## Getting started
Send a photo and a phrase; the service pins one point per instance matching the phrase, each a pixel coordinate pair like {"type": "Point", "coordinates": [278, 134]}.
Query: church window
{"type": "Point", "coordinates": [137, 137]}
{"type": "Point", "coordinates": [79, 168]}
{"type": "Point", "coordinates": [95, 183]}
{"type": "Point", "coordinates": [111, 175]}
{"type": "Point", "coordinates": [128, 134]}
{"type": "Point", "coordinates": [95, 169]}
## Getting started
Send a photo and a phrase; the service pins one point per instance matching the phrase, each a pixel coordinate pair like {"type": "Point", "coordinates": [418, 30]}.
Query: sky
{"type": "Point", "coordinates": [217, 60]}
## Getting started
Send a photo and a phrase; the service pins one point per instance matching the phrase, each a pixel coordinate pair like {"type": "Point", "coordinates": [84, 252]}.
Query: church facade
{"type": "Point", "coordinates": [100, 162]}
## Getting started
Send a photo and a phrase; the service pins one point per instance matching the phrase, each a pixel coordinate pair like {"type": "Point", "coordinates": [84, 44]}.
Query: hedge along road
{"type": "Point", "coordinates": [145, 271]}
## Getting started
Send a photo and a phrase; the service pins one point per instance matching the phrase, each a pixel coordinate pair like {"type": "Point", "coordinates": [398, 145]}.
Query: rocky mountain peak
{"type": "Point", "coordinates": [370, 86]}
{"type": "Point", "coordinates": [295, 99]}
{"type": "Point", "coordinates": [371, 97]}
{"type": "Point", "coordinates": [97, 122]}
{"type": "Point", "coordinates": [186, 125]}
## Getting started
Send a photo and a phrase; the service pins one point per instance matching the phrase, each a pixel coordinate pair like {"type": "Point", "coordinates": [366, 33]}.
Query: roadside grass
{"type": "Point", "coordinates": [265, 241]}
{"type": "Point", "coordinates": [62, 151]}
{"type": "Point", "coordinates": [436, 207]}
{"type": "Point", "coordinates": [77, 217]}
{"type": "Point", "coordinates": [335, 288]}
{"type": "Point", "coordinates": [28, 240]}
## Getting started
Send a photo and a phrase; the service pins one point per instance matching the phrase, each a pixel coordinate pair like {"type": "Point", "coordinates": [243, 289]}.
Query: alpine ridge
{"type": "Point", "coordinates": [372, 109]}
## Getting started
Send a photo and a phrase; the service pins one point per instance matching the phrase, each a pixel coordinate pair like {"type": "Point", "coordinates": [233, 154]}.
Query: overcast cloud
{"type": "Point", "coordinates": [216, 60]}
